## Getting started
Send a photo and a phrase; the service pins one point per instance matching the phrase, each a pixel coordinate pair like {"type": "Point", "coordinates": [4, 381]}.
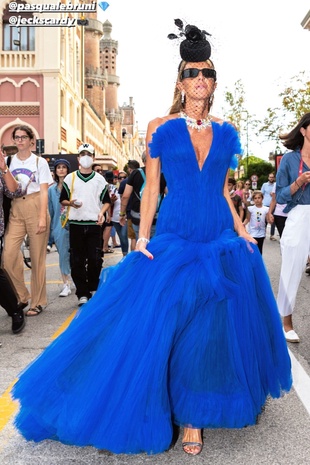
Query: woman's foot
{"type": "Point", "coordinates": [35, 311]}
{"type": "Point", "coordinates": [289, 333]}
{"type": "Point", "coordinates": [192, 441]}
{"type": "Point", "coordinates": [288, 323]}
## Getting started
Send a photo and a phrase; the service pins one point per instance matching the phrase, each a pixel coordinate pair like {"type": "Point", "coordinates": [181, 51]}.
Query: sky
{"type": "Point", "coordinates": [261, 43]}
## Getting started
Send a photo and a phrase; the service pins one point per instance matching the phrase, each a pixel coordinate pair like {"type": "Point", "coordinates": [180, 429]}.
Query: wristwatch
{"type": "Point", "coordinates": [5, 171]}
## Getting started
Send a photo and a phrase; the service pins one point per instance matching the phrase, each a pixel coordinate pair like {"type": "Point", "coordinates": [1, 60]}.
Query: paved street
{"type": "Point", "coordinates": [281, 436]}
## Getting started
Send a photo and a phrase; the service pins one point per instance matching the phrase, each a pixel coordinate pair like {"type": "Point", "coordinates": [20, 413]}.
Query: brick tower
{"type": "Point", "coordinates": [94, 77]}
{"type": "Point", "coordinates": [108, 54]}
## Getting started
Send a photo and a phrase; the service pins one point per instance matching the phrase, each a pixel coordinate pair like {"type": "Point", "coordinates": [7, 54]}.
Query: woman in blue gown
{"type": "Point", "coordinates": [191, 343]}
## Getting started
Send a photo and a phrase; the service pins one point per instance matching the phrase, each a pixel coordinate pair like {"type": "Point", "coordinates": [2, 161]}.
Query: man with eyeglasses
{"type": "Point", "coordinates": [266, 190]}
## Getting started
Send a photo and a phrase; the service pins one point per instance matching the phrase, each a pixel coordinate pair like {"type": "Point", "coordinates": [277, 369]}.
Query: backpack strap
{"type": "Point", "coordinates": [144, 180]}
{"type": "Point", "coordinates": [143, 185]}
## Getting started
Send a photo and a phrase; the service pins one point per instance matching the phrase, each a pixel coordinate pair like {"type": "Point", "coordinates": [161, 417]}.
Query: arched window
{"type": "Point", "coordinates": [17, 38]}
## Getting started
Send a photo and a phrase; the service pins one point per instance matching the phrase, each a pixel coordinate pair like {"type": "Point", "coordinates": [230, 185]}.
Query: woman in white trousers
{"type": "Point", "coordinates": [293, 188]}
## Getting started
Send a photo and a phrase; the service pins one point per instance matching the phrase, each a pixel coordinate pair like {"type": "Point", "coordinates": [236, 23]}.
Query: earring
{"type": "Point", "coordinates": [182, 96]}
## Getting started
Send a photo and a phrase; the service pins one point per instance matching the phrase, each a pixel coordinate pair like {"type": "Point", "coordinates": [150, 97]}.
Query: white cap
{"type": "Point", "coordinates": [87, 148]}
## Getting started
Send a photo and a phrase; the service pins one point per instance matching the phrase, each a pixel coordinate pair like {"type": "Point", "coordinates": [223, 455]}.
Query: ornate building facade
{"type": "Point", "coordinates": [62, 82]}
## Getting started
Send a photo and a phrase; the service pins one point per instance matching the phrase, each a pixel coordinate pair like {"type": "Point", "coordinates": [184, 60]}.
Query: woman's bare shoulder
{"type": "Point", "coordinates": [222, 121]}
{"type": "Point", "coordinates": [159, 121]}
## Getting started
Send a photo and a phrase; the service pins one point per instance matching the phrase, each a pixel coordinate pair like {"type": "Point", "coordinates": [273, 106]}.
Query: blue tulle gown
{"type": "Point", "coordinates": [192, 337]}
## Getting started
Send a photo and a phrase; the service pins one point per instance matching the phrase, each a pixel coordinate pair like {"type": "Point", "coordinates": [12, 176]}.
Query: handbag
{"type": "Point", "coordinates": [64, 210]}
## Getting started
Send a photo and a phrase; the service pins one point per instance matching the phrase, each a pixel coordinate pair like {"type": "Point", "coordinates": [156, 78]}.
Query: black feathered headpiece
{"type": "Point", "coordinates": [195, 47]}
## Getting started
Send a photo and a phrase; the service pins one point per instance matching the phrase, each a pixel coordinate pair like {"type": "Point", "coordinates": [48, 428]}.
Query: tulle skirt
{"type": "Point", "coordinates": [192, 337]}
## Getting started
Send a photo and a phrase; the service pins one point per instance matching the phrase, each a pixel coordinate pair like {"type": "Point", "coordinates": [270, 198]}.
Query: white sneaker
{"type": "Point", "coordinates": [66, 291]}
{"type": "Point", "coordinates": [48, 249]}
{"type": "Point", "coordinates": [291, 336]}
{"type": "Point", "coordinates": [82, 300]}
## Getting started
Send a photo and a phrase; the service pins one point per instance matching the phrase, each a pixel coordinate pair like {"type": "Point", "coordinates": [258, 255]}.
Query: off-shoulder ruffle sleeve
{"type": "Point", "coordinates": [233, 144]}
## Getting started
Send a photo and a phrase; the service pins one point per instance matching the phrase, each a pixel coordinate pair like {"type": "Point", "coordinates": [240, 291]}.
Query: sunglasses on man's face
{"type": "Point", "coordinates": [193, 73]}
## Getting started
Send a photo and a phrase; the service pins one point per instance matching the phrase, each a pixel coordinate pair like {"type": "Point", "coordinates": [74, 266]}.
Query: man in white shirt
{"type": "Point", "coordinates": [85, 192]}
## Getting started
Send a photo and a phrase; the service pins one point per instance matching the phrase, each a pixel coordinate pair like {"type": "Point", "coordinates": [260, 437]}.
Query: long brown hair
{"type": "Point", "coordinates": [294, 139]}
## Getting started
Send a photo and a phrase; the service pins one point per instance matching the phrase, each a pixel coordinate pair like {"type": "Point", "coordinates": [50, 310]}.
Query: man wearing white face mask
{"type": "Point", "coordinates": [86, 195]}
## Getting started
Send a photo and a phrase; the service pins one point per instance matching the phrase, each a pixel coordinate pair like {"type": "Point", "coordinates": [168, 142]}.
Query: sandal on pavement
{"type": "Point", "coordinates": [192, 444]}
{"type": "Point", "coordinates": [192, 447]}
{"type": "Point", "coordinates": [34, 311]}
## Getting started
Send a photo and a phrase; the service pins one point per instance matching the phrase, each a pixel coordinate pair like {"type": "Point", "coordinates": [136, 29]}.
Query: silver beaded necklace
{"type": "Point", "coordinates": [195, 123]}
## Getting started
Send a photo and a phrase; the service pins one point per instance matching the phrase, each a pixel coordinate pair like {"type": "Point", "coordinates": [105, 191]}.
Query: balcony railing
{"type": "Point", "coordinates": [15, 60]}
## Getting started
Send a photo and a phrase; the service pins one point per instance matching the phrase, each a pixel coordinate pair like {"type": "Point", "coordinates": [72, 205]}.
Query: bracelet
{"type": "Point", "coordinates": [5, 170]}
{"type": "Point", "coordinates": [122, 214]}
{"type": "Point", "coordinates": [143, 239]}
{"type": "Point", "coordinates": [297, 184]}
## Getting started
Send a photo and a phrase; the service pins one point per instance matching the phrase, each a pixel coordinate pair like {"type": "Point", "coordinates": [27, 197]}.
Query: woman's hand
{"type": "Point", "coordinates": [41, 226]}
{"type": "Point", "coordinates": [141, 247]}
{"type": "Point", "coordinates": [304, 178]}
{"type": "Point", "coordinates": [122, 220]}
{"type": "Point", "coordinates": [100, 219]}
{"type": "Point", "coordinates": [242, 232]}
{"type": "Point", "coordinates": [270, 218]}
{"type": "Point", "coordinates": [2, 161]}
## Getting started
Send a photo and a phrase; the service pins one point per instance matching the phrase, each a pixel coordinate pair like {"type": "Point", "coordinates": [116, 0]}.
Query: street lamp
{"type": "Point", "coordinates": [247, 138]}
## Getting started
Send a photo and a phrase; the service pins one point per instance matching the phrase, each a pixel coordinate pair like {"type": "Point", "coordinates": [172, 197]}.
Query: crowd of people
{"type": "Point", "coordinates": [187, 347]}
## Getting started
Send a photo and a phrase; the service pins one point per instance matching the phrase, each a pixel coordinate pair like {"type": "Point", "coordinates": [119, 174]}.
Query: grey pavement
{"type": "Point", "coordinates": [281, 436]}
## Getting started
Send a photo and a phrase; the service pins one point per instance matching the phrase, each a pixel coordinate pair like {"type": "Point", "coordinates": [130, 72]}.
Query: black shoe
{"type": "Point", "coordinates": [22, 305]}
{"type": "Point", "coordinates": [18, 321]}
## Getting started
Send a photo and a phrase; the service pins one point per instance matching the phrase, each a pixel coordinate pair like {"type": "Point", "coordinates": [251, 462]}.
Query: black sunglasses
{"type": "Point", "coordinates": [122, 177]}
{"type": "Point", "coordinates": [193, 73]}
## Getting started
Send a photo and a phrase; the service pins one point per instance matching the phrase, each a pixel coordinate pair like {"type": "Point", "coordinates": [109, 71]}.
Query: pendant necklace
{"type": "Point", "coordinates": [22, 160]}
{"type": "Point", "coordinates": [196, 123]}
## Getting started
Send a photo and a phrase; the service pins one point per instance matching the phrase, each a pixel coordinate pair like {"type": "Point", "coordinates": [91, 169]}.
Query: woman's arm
{"type": "Point", "coordinates": [288, 179]}
{"type": "Point", "coordinates": [11, 183]}
{"type": "Point", "coordinates": [150, 193]}
{"type": "Point", "coordinates": [272, 206]}
{"type": "Point", "coordinates": [105, 207]}
{"type": "Point", "coordinates": [124, 202]}
{"type": "Point", "coordinates": [42, 224]}
{"type": "Point", "coordinates": [247, 218]}
{"type": "Point", "coordinates": [239, 227]}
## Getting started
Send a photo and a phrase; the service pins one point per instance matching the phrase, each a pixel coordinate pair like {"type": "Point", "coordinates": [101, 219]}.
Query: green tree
{"type": "Point", "coordinates": [295, 102]}
{"type": "Point", "coordinates": [236, 112]}
{"type": "Point", "coordinates": [256, 166]}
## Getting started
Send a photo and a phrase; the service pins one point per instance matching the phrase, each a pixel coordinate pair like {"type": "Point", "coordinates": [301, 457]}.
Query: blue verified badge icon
{"type": "Point", "coordinates": [103, 5]}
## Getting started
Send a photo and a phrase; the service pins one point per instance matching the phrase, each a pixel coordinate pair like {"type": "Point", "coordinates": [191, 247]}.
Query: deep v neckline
{"type": "Point", "coordinates": [193, 148]}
